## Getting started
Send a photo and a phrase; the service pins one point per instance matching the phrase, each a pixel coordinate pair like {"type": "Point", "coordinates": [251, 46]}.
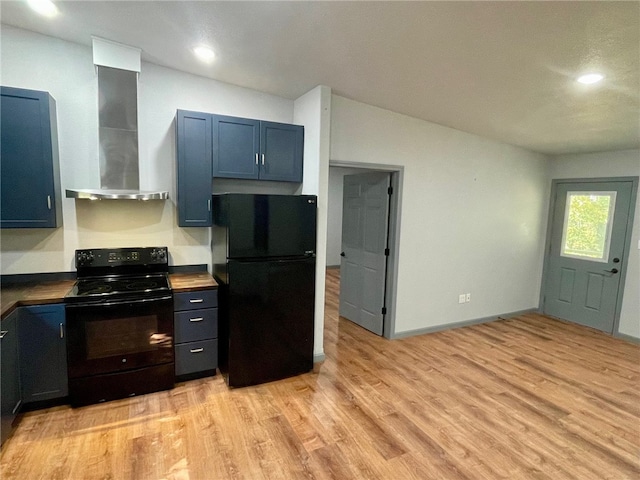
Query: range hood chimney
{"type": "Point", "coordinates": [118, 67]}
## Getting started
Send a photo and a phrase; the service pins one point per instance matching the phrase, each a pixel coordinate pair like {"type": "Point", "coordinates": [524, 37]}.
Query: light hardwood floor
{"type": "Point", "coordinates": [524, 398]}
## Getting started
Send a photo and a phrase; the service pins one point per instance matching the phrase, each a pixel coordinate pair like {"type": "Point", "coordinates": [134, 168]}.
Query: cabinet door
{"type": "Point", "coordinates": [236, 142]}
{"type": "Point", "coordinates": [10, 397]}
{"type": "Point", "coordinates": [29, 197]}
{"type": "Point", "coordinates": [281, 147]}
{"type": "Point", "coordinates": [193, 132]}
{"type": "Point", "coordinates": [43, 353]}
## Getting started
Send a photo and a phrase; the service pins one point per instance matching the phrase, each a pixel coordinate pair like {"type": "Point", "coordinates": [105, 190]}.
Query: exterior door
{"type": "Point", "coordinates": [585, 258]}
{"type": "Point", "coordinates": [365, 218]}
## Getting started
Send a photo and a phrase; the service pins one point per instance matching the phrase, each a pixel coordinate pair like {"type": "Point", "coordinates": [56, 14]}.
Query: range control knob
{"type": "Point", "coordinates": [85, 257]}
{"type": "Point", "coordinates": [158, 255]}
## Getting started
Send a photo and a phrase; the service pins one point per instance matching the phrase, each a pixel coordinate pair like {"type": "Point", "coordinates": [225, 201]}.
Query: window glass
{"type": "Point", "coordinates": [588, 219]}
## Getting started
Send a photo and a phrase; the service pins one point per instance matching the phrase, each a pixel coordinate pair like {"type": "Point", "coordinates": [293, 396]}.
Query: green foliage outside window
{"type": "Point", "coordinates": [586, 228]}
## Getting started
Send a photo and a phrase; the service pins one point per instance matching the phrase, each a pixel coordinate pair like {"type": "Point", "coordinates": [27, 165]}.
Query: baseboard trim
{"type": "Point", "coordinates": [464, 323]}
{"type": "Point", "coordinates": [629, 338]}
{"type": "Point", "coordinates": [319, 357]}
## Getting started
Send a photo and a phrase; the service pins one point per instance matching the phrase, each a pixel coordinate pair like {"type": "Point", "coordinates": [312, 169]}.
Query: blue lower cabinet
{"type": "Point", "coordinates": [43, 353]}
{"type": "Point", "coordinates": [196, 333]}
{"type": "Point", "coordinates": [10, 394]}
{"type": "Point", "coordinates": [196, 357]}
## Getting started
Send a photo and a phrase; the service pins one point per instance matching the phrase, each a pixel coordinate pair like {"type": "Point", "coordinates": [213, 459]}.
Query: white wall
{"type": "Point", "coordinates": [474, 214]}
{"type": "Point", "coordinates": [612, 164]}
{"type": "Point", "coordinates": [66, 70]}
{"type": "Point", "coordinates": [313, 110]}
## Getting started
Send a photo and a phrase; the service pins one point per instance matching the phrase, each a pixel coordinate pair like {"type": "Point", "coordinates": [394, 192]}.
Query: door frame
{"type": "Point", "coordinates": [627, 241]}
{"type": "Point", "coordinates": [395, 208]}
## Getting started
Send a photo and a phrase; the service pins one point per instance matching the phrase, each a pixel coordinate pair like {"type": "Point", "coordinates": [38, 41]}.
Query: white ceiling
{"type": "Point", "coordinates": [503, 70]}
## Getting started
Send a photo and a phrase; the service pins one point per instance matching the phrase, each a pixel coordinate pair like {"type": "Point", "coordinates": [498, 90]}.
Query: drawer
{"type": "Point", "coordinates": [195, 300]}
{"type": "Point", "coordinates": [195, 357]}
{"type": "Point", "coordinates": [192, 325]}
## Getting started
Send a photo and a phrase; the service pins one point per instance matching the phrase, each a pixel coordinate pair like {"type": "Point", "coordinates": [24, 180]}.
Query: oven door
{"type": "Point", "coordinates": [120, 335]}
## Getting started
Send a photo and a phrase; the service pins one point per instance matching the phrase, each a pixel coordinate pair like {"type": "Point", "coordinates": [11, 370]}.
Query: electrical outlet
{"type": "Point", "coordinates": [468, 299]}
{"type": "Point", "coordinates": [461, 298]}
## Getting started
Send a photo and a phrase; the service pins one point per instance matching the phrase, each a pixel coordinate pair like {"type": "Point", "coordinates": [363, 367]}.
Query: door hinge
{"type": "Point", "coordinates": [384, 310]}
{"type": "Point", "coordinates": [386, 252]}
{"type": "Point", "coordinates": [390, 190]}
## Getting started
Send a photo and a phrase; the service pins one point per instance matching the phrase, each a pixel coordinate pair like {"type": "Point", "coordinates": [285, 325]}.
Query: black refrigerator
{"type": "Point", "coordinates": [263, 251]}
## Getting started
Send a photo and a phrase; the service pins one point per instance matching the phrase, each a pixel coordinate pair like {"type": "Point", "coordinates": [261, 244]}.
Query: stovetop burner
{"type": "Point", "coordinates": [124, 284]}
{"type": "Point", "coordinates": [120, 273]}
{"type": "Point", "coordinates": [121, 286]}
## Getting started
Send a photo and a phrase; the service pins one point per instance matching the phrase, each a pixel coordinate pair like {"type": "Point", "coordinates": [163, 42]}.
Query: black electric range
{"type": "Point", "coordinates": [119, 318]}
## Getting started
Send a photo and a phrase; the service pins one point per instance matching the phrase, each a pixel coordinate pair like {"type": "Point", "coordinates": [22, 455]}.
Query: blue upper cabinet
{"type": "Point", "coordinates": [217, 146]}
{"type": "Point", "coordinates": [236, 147]}
{"type": "Point", "coordinates": [252, 149]}
{"type": "Point", "coordinates": [193, 140]}
{"type": "Point", "coordinates": [30, 176]}
{"type": "Point", "coordinates": [281, 150]}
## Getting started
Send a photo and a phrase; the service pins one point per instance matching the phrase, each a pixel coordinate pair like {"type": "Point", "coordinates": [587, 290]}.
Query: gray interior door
{"type": "Point", "coordinates": [585, 256]}
{"type": "Point", "coordinates": [365, 217]}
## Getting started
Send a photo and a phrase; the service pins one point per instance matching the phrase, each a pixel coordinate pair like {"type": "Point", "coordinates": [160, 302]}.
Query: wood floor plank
{"type": "Point", "coordinates": [529, 397]}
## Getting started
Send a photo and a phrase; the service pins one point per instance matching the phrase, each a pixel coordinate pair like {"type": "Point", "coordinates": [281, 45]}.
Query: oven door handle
{"type": "Point", "coordinates": [118, 302]}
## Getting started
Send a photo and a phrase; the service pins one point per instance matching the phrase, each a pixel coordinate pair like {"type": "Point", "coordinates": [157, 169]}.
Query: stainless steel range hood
{"type": "Point", "coordinates": [105, 194]}
{"type": "Point", "coordinates": [118, 67]}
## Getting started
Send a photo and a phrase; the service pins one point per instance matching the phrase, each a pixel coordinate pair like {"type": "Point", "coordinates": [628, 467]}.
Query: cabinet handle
{"type": "Point", "coordinates": [256, 159]}
{"type": "Point", "coordinates": [209, 204]}
{"type": "Point", "coordinates": [3, 333]}
{"type": "Point", "coordinates": [198, 319]}
{"type": "Point", "coordinates": [263, 159]}
{"type": "Point", "coordinates": [196, 300]}
{"type": "Point", "coordinates": [61, 330]}
{"type": "Point", "coordinates": [49, 201]}
{"type": "Point", "coordinates": [16, 408]}
{"type": "Point", "coordinates": [197, 350]}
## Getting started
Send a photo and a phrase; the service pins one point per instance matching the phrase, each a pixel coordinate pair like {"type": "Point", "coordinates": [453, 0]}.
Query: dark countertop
{"type": "Point", "coordinates": [190, 282]}
{"type": "Point", "coordinates": [40, 293]}
{"type": "Point", "coordinates": [32, 293]}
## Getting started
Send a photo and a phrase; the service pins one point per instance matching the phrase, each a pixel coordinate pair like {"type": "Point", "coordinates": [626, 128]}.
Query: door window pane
{"type": "Point", "coordinates": [588, 219]}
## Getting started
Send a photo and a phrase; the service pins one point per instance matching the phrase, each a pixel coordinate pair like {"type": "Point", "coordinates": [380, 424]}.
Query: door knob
{"type": "Point", "coordinates": [342, 254]}
{"type": "Point", "coordinates": [613, 270]}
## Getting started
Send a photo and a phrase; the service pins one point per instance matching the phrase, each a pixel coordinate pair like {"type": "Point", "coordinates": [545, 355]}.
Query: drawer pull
{"type": "Point", "coordinates": [198, 319]}
{"type": "Point", "coordinates": [197, 350]}
{"type": "Point", "coordinates": [196, 300]}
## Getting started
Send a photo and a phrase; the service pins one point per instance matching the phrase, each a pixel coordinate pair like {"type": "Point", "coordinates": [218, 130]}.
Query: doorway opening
{"type": "Point", "coordinates": [371, 286]}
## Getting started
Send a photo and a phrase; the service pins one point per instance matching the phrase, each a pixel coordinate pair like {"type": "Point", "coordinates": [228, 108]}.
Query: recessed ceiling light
{"type": "Point", "coordinates": [43, 7]}
{"type": "Point", "coordinates": [204, 53]}
{"type": "Point", "coordinates": [590, 78]}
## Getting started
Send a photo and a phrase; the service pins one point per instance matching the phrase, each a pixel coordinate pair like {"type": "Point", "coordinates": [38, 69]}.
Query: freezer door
{"type": "Point", "coordinates": [271, 225]}
{"type": "Point", "coordinates": [270, 314]}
